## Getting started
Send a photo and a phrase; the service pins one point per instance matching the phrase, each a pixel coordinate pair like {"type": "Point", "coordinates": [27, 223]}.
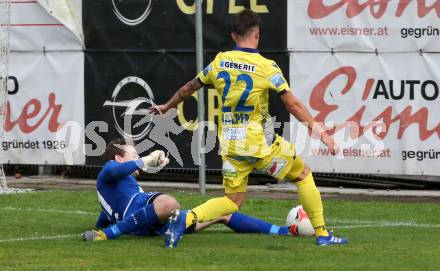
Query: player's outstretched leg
{"type": "Point", "coordinates": [310, 199]}
{"type": "Point", "coordinates": [242, 223]}
{"type": "Point", "coordinates": [144, 217]}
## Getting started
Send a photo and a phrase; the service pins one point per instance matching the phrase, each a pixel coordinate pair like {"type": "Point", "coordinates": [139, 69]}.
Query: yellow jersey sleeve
{"type": "Point", "coordinates": [277, 82]}
{"type": "Point", "coordinates": [206, 75]}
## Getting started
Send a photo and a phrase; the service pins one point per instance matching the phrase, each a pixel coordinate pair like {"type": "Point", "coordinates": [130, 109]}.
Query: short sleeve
{"type": "Point", "coordinates": [208, 75]}
{"type": "Point", "coordinates": [277, 81]}
{"type": "Point", "coordinates": [205, 75]}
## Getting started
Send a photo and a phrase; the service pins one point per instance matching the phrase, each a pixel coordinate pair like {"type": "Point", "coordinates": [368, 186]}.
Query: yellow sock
{"type": "Point", "coordinates": [310, 199]}
{"type": "Point", "coordinates": [210, 210]}
{"type": "Point", "coordinates": [191, 218]}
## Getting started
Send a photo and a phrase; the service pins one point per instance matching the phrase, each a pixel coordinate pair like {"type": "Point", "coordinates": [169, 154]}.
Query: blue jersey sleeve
{"type": "Point", "coordinates": [114, 171]}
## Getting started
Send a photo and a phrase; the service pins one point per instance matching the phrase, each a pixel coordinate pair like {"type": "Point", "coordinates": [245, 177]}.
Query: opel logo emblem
{"type": "Point", "coordinates": [132, 107]}
{"type": "Point", "coordinates": [135, 21]}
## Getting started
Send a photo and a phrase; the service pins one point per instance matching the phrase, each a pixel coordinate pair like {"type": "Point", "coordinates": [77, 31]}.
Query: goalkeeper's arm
{"type": "Point", "coordinates": [156, 159]}
{"type": "Point", "coordinates": [115, 171]}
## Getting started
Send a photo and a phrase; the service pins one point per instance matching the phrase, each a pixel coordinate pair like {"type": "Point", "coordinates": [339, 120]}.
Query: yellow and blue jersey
{"type": "Point", "coordinates": [243, 78]}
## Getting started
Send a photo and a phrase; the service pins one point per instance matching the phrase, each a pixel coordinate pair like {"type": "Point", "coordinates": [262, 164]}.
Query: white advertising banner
{"type": "Point", "coordinates": [69, 12]}
{"type": "Point", "coordinates": [45, 110]}
{"type": "Point", "coordinates": [385, 109]}
{"type": "Point", "coordinates": [33, 28]}
{"type": "Point", "coordinates": [364, 25]}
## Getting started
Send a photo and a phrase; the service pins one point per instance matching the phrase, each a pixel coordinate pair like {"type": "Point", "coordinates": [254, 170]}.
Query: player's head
{"type": "Point", "coordinates": [245, 26]}
{"type": "Point", "coordinates": [120, 150]}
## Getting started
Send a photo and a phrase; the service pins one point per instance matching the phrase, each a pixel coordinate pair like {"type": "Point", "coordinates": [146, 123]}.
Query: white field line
{"type": "Point", "coordinates": [334, 223]}
{"type": "Point", "coordinates": [76, 212]}
{"type": "Point", "coordinates": [384, 225]}
{"type": "Point", "coordinates": [222, 228]}
{"type": "Point", "coordinates": [40, 238]}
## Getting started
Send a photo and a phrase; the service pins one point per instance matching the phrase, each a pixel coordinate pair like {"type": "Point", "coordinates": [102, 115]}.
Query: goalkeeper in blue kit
{"type": "Point", "coordinates": [127, 209]}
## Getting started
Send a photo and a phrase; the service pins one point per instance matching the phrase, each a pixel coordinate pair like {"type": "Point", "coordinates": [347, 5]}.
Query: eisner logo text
{"type": "Point", "coordinates": [375, 89]}
{"type": "Point", "coordinates": [318, 9]}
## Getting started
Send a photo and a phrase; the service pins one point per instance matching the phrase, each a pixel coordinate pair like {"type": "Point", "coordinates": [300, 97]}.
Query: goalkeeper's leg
{"type": "Point", "coordinates": [103, 220]}
{"type": "Point", "coordinates": [148, 216]}
{"type": "Point", "coordinates": [141, 218]}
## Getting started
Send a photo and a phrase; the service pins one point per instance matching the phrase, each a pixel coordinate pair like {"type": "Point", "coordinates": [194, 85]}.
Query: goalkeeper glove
{"type": "Point", "coordinates": [155, 161]}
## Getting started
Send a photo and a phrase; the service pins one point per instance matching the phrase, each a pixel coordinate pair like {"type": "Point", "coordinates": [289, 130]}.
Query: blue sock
{"type": "Point", "coordinates": [144, 217]}
{"type": "Point", "coordinates": [245, 224]}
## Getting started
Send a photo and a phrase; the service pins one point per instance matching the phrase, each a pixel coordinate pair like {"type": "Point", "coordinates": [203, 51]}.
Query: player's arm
{"type": "Point", "coordinates": [184, 92]}
{"type": "Point", "coordinates": [114, 171]}
{"type": "Point", "coordinates": [298, 109]}
{"type": "Point", "coordinates": [278, 83]}
{"type": "Point", "coordinates": [203, 78]}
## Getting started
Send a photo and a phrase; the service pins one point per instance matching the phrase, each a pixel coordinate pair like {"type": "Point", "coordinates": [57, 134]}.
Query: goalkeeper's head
{"type": "Point", "coordinates": [121, 151]}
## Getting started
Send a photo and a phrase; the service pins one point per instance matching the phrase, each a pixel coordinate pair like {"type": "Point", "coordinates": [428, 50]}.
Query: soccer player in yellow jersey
{"type": "Point", "coordinates": [243, 79]}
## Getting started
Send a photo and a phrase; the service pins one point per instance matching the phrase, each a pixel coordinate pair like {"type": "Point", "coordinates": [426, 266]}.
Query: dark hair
{"type": "Point", "coordinates": [114, 148]}
{"type": "Point", "coordinates": [244, 21]}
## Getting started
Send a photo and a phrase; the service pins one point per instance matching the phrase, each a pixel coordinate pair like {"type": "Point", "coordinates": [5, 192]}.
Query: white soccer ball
{"type": "Point", "coordinates": [299, 219]}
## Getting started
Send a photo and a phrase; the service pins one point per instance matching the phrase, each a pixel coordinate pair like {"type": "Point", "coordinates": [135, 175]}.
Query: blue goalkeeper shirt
{"type": "Point", "coordinates": [116, 187]}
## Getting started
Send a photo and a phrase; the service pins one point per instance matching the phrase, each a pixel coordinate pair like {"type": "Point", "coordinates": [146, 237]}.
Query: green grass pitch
{"type": "Point", "coordinates": [41, 231]}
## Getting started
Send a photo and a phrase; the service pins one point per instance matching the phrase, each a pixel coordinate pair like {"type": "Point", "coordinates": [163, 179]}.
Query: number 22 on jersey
{"type": "Point", "coordinates": [240, 106]}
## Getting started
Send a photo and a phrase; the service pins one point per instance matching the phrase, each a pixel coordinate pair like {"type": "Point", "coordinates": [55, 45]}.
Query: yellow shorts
{"type": "Point", "coordinates": [282, 162]}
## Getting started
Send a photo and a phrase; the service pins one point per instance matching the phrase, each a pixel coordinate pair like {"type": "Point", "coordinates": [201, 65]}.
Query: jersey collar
{"type": "Point", "coordinates": [247, 50]}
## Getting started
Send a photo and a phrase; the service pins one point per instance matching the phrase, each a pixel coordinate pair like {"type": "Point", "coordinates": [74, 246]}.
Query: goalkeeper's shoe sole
{"type": "Point", "coordinates": [94, 236]}
{"type": "Point", "coordinates": [176, 228]}
{"type": "Point", "coordinates": [330, 240]}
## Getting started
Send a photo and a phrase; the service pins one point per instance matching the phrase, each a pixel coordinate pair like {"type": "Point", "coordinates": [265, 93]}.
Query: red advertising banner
{"type": "Point", "coordinates": [361, 25]}
{"type": "Point", "coordinates": [384, 109]}
{"type": "Point", "coordinates": [45, 109]}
